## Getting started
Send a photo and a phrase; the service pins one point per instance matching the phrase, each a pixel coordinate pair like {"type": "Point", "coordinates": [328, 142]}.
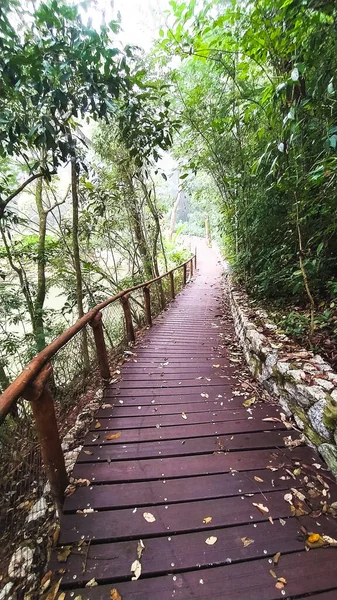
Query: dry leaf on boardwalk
{"type": "Point", "coordinates": [87, 452]}
{"type": "Point", "coordinates": [315, 540]}
{"type": "Point", "coordinates": [184, 416]}
{"type": "Point", "coordinates": [113, 436]}
{"type": "Point", "coordinates": [258, 479]}
{"type": "Point", "coordinates": [149, 517]}
{"type": "Point", "coordinates": [204, 395]}
{"type": "Point", "coordinates": [288, 498]}
{"type": "Point", "coordinates": [276, 558]}
{"type": "Point", "coordinates": [211, 540]}
{"type": "Point", "coordinates": [263, 509]}
{"type": "Point", "coordinates": [136, 569]}
{"type": "Point", "coordinates": [140, 549]}
{"type": "Point", "coordinates": [64, 554]}
{"type": "Point", "coordinates": [249, 402]}
{"type": "Point", "coordinates": [91, 583]}
{"type": "Point", "coordinates": [207, 520]}
{"type": "Point", "coordinates": [97, 425]}
{"type": "Point", "coordinates": [246, 541]}
{"type": "Point", "coordinates": [115, 595]}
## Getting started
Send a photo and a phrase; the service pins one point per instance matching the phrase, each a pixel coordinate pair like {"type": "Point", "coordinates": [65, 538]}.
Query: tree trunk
{"type": "Point", "coordinates": [136, 220]}
{"type": "Point", "coordinates": [41, 270]}
{"type": "Point", "coordinates": [77, 260]}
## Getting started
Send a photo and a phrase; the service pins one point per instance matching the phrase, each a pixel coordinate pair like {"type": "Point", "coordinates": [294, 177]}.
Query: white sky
{"type": "Point", "coordinates": [141, 19]}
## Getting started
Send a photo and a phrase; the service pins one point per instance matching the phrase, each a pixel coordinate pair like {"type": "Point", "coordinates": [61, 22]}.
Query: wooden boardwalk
{"type": "Point", "coordinates": [174, 442]}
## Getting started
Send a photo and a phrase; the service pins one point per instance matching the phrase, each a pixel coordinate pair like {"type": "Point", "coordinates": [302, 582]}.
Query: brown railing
{"type": "Point", "coordinates": [32, 384]}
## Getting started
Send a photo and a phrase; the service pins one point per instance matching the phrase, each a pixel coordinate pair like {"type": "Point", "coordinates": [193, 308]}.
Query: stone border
{"type": "Point", "coordinates": [304, 383]}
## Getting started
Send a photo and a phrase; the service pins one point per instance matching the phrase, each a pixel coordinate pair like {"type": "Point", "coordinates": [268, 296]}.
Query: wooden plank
{"type": "Point", "coordinates": [118, 421]}
{"type": "Point", "coordinates": [305, 572]}
{"type": "Point", "coordinates": [172, 518]}
{"type": "Point", "coordinates": [117, 409]}
{"type": "Point", "coordinates": [182, 552]}
{"type": "Point", "coordinates": [212, 391]}
{"type": "Point", "coordinates": [166, 468]}
{"type": "Point", "coordinates": [166, 400]}
{"type": "Point", "coordinates": [207, 445]}
{"type": "Point", "coordinates": [148, 434]}
{"type": "Point", "coordinates": [122, 495]}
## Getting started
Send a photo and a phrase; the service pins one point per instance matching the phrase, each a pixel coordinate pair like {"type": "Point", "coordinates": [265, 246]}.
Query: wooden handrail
{"type": "Point", "coordinates": [16, 389]}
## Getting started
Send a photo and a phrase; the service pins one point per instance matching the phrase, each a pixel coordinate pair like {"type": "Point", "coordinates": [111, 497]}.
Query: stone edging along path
{"type": "Point", "coordinates": [304, 383]}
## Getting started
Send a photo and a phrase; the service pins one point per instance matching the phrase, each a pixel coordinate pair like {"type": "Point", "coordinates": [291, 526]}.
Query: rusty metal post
{"type": "Point", "coordinates": [185, 273]}
{"type": "Point", "coordinates": [147, 301]}
{"type": "Point", "coordinates": [191, 266]}
{"type": "Point", "coordinates": [102, 355]}
{"type": "Point", "coordinates": [42, 404]}
{"type": "Point", "coordinates": [130, 332]}
{"type": "Point", "coordinates": [172, 285]}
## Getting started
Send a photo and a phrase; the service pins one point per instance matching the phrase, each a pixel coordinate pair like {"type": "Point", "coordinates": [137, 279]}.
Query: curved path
{"type": "Point", "coordinates": [174, 459]}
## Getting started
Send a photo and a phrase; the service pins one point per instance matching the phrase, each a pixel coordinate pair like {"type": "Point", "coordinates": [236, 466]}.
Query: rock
{"type": "Point", "coordinates": [4, 595]}
{"type": "Point", "coordinates": [334, 396]}
{"type": "Point", "coordinates": [335, 436]}
{"type": "Point", "coordinates": [283, 367]}
{"type": "Point", "coordinates": [315, 414]}
{"type": "Point", "coordinates": [296, 375]}
{"type": "Point", "coordinates": [38, 510]}
{"type": "Point", "coordinates": [21, 562]}
{"type": "Point", "coordinates": [325, 384]}
{"type": "Point", "coordinates": [329, 453]}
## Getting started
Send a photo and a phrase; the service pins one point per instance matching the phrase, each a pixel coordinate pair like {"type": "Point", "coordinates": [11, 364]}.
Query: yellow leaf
{"type": "Point", "coordinates": [249, 402]}
{"type": "Point", "coordinates": [273, 574]}
{"type": "Point", "coordinates": [313, 537]}
{"type": "Point", "coordinates": [207, 520]}
{"type": "Point", "coordinates": [258, 479]}
{"type": "Point", "coordinates": [246, 541]}
{"type": "Point", "coordinates": [276, 558]}
{"type": "Point", "coordinates": [64, 554]}
{"type": "Point", "coordinates": [115, 595]}
{"type": "Point", "coordinates": [114, 436]}
{"type": "Point", "coordinates": [282, 580]}
{"type": "Point", "coordinates": [211, 540]}
{"type": "Point", "coordinates": [61, 596]}
{"type": "Point", "coordinates": [97, 425]}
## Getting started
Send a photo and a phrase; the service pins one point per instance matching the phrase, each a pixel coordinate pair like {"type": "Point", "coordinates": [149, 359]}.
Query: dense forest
{"type": "Point", "coordinates": [239, 96]}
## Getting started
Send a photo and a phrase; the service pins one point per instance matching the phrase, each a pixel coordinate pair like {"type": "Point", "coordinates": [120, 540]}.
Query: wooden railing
{"type": "Point", "coordinates": [32, 383]}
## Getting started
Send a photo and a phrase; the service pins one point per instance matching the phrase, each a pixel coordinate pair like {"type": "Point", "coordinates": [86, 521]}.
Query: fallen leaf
{"type": "Point", "coordinates": [263, 509]}
{"type": "Point", "coordinates": [64, 554]}
{"type": "Point", "coordinates": [115, 595]}
{"type": "Point", "coordinates": [45, 581]}
{"type": "Point", "coordinates": [271, 468]}
{"type": "Point", "coordinates": [290, 443]}
{"type": "Point", "coordinates": [211, 540]}
{"type": "Point", "coordinates": [298, 494]}
{"type": "Point", "coordinates": [91, 583]}
{"type": "Point", "coordinates": [270, 519]}
{"type": "Point", "coordinates": [273, 574]}
{"type": "Point", "coordinates": [81, 482]}
{"type": "Point", "coordinates": [184, 416]}
{"type": "Point", "coordinates": [56, 534]}
{"type": "Point", "coordinates": [97, 425]}
{"type": "Point", "coordinates": [136, 569]}
{"type": "Point", "coordinates": [249, 402]}
{"type": "Point", "coordinates": [204, 395]}
{"type": "Point", "coordinates": [216, 366]}
{"type": "Point", "coordinates": [207, 519]}
{"type": "Point", "coordinates": [149, 517]}
{"type": "Point", "coordinates": [276, 558]}
{"type": "Point", "coordinates": [140, 549]}
{"type": "Point", "coordinates": [61, 596]}
{"type": "Point", "coordinates": [288, 498]}
{"type": "Point", "coordinates": [51, 595]}
{"type": "Point", "coordinates": [282, 580]}
{"type": "Point", "coordinates": [279, 585]}
{"type": "Point", "coordinates": [87, 452]}
{"type": "Point", "coordinates": [272, 419]}
{"type": "Point", "coordinates": [113, 436]}
{"type": "Point", "coordinates": [329, 540]}
{"type": "Point", "coordinates": [246, 541]}
{"type": "Point", "coordinates": [283, 522]}
{"type": "Point", "coordinates": [258, 479]}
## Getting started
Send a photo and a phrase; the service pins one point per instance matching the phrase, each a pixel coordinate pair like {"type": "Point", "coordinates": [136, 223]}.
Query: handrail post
{"type": "Point", "coordinates": [191, 263]}
{"type": "Point", "coordinates": [41, 400]}
{"type": "Point", "coordinates": [195, 258]}
{"type": "Point", "coordinates": [172, 285]}
{"type": "Point", "coordinates": [102, 355]}
{"type": "Point", "coordinates": [185, 273]}
{"type": "Point", "coordinates": [130, 332]}
{"type": "Point", "coordinates": [147, 301]}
